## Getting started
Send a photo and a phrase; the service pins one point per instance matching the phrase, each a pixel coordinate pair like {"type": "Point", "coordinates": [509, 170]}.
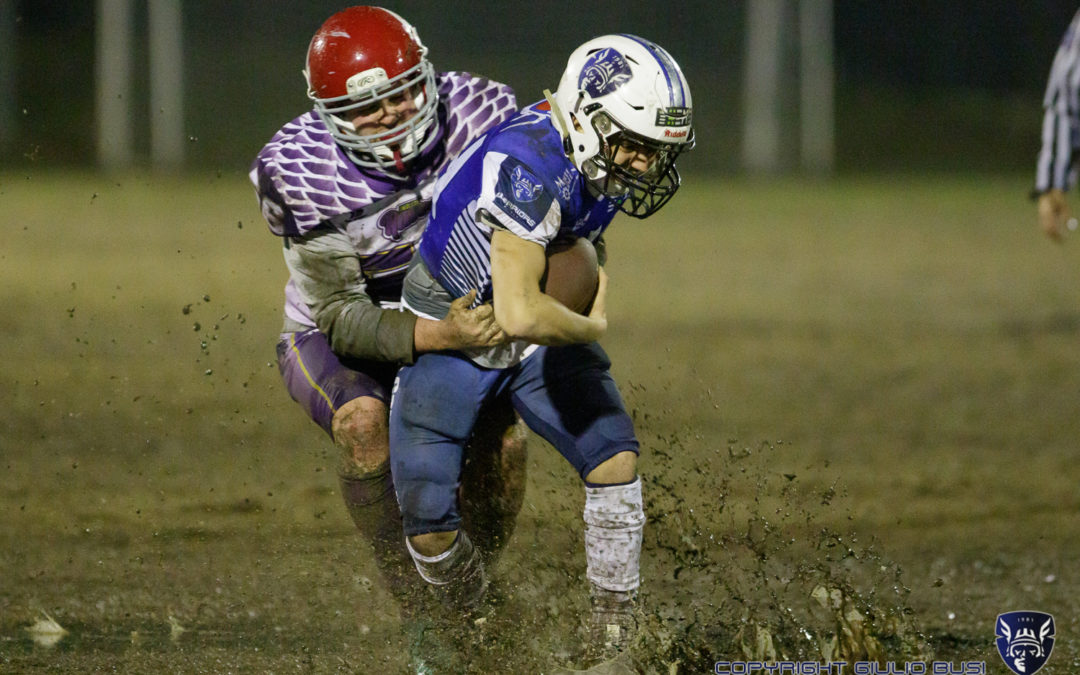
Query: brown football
{"type": "Point", "coordinates": [572, 273]}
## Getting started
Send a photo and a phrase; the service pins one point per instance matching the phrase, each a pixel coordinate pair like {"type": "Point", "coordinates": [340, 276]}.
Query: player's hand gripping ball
{"type": "Point", "coordinates": [572, 274]}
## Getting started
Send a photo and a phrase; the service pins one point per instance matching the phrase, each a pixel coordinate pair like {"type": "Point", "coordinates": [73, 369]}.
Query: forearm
{"type": "Point", "coordinates": [1054, 161]}
{"type": "Point", "coordinates": [362, 330]}
{"type": "Point", "coordinates": [523, 311]}
{"type": "Point", "coordinates": [430, 335]}
{"type": "Point", "coordinates": [327, 274]}
{"type": "Point", "coordinates": [542, 320]}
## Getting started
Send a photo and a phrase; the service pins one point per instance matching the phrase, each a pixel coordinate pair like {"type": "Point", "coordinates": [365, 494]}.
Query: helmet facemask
{"type": "Point", "coordinates": [387, 152]}
{"type": "Point", "coordinates": [639, 193]}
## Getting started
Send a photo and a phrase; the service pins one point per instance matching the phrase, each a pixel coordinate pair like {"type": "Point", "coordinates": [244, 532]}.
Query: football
{"type": "Point", "coordinates": [572, 273]}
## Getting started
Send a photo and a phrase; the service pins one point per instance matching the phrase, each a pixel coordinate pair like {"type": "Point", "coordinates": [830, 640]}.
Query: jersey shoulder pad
{"type": "Point", "coordinates": [473, 106]}
{"type": "Point", "coordinates": [311, 179]}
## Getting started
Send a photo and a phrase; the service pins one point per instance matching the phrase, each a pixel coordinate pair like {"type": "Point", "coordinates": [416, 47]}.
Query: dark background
{"type": "Point", "coordinates": [921, 85]}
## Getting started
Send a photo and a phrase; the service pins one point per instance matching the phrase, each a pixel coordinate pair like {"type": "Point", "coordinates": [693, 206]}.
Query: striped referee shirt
{"type": "Point", "coordinates": [1061, 121]}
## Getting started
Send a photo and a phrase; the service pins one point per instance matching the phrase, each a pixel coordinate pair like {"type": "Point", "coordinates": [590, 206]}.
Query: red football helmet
{"type": "Point", "coordinates": [360, 56]}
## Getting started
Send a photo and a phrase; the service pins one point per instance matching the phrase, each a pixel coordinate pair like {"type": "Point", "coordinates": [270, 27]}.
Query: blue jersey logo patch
{"type": "Point", "coordinates": [521, 195]}
{"type": "Point", "coordinates": [526, 186]}
{"type": "Point", "coordinates": [604, 72]}
{"type": "Point", "coordinates": [1025, 640]}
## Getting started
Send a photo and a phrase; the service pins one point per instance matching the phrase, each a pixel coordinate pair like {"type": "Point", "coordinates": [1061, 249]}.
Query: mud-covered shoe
{"type": "Point", "coordinates": [612, 624]}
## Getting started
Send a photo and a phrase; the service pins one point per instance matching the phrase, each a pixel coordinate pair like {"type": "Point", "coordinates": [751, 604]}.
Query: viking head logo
{"type": "Point", "coordinates": [604, 72]}
{"type": "Point", "coordinates": [1025, 640]}
{"type": "Point", "coordinates": [526, 187]}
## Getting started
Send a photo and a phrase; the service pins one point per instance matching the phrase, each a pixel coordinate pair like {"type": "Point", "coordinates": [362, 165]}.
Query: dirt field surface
{"type": "Point", "coordinates": [857, 401]}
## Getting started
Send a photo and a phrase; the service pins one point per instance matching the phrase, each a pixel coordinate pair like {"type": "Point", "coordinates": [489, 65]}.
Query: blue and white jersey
{"type": "Point", "coordinates": [520, 175]}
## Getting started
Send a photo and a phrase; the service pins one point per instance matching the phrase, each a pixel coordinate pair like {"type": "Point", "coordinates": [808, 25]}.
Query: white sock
{"type": "Point", "coordinates": [447, 566]}
{"type": "Point", "coordinates": [614, 517]}
{"type": "Point", "coordinates": [457, 573]}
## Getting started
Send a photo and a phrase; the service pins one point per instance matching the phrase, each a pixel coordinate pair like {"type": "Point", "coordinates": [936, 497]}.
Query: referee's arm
{"type": "Point", "coordinates": [1054, 172]}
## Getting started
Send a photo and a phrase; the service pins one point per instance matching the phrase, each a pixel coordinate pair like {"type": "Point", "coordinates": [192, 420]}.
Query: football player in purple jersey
{"type": "Point", "coordinates": [347, 187]}
{"type": "Point", "coordinates": [606, 141]}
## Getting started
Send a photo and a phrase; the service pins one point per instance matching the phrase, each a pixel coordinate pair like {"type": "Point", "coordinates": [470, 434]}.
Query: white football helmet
{"type": "Point", "coordinates": [360, 57]}
{"type": "Point", "coordinates": [625, 91]}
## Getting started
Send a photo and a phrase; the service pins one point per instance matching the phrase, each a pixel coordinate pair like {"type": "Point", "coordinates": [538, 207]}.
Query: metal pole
{"type": "Point", "coordinates": [8, 107]}
{"type": "Point", "coordinates": [113, 66]}
{"type": "Point", "coordinates": [816, 86]}
{"type": "Point", "coordinates": [166, 84]}
{"type": "Point", "coordinates": [761, 118]}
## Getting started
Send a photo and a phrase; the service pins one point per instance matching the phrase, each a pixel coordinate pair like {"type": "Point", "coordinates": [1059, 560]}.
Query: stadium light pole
{"type": "Point", "coordinates": [816, 85]}
{"type": "Point", "coordinates": [770, 65]}
{"type": "Point", "coordinates": [113, 74]}
{"type": "Point", "coordinates": [8, 108]}
{"type": "Point", "coordinates": [166, 84]}
{"type": "Point", "coordinates": [761, 113]}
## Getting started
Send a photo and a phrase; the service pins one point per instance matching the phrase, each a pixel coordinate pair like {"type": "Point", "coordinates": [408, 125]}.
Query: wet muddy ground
{"type": "Point", "coordinates": [857, 405]}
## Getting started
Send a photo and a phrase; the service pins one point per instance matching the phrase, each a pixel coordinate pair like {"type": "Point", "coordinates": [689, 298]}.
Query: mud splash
{"type": "Point", "coordinates": [746, 563]}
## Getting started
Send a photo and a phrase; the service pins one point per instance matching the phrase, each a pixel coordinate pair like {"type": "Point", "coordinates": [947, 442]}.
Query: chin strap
{"type": "Point", "coordinates": [556, 113]}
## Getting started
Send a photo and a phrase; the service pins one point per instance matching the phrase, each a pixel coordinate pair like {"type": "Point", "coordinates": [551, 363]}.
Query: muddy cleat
{"type": "Point", "coordinates": [612, 624]}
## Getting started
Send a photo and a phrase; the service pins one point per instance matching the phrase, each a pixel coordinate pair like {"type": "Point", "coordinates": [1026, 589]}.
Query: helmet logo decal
{"type": "Point", "coordinates": [604, 72]}
{"type": "Point", "coordinates": [365, 79]}
{"type": "Point", "coordinates": [673, 117]}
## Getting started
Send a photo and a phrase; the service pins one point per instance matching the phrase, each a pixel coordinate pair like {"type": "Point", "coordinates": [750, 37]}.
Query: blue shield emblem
{"type": "Point", "coordinates": [525, 186]}
{"type": "Point", "coordinates": [1025, 640]}
{"type": "Point", "coordinates": [604, 72]}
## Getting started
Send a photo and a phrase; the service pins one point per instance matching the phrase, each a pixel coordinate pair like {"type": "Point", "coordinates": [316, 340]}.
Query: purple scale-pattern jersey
{"type": "Point", "coordinates": [303, 180]}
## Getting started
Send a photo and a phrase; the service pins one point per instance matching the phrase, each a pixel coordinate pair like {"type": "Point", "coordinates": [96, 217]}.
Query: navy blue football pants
{"type": "Point", "coordinates": [565, 394]}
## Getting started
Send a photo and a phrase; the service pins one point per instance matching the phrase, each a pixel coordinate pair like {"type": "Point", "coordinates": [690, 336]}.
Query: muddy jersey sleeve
{"type": "Point", "coordinates": [327, 274]}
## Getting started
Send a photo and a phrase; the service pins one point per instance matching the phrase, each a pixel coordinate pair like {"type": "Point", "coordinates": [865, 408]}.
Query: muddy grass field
{"type": "Point", "coordinates": [858, 406]}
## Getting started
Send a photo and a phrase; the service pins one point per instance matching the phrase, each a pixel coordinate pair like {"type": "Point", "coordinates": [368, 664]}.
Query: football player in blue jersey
{"type": "Point", "coordinates": [347, 187]}
{"type": "Point", "coordinates": [605, 142]}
